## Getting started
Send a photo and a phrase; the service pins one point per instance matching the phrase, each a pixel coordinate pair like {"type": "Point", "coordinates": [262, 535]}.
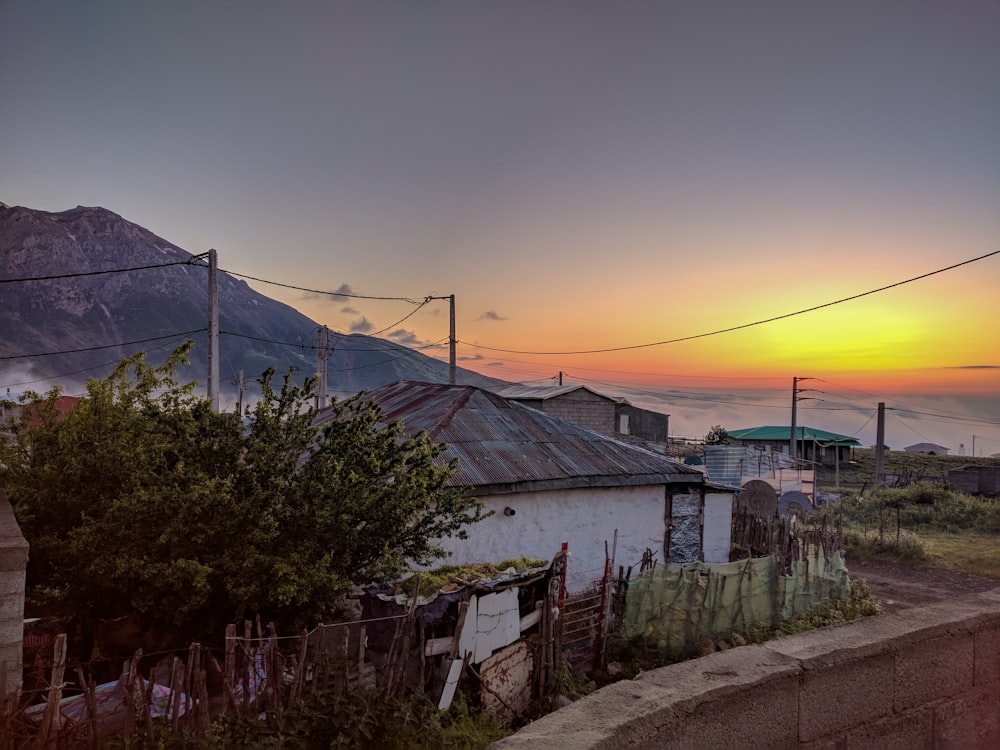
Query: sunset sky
{"type": "Point", "coordinates": [582, 176]}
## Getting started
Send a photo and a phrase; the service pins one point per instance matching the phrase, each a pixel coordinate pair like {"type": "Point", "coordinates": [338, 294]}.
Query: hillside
{"type": "Point", "coordinates": [80, 324]}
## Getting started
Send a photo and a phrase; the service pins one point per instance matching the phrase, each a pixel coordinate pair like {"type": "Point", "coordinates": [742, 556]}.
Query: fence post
{"type": "Point", "coordinates": [601, 635]}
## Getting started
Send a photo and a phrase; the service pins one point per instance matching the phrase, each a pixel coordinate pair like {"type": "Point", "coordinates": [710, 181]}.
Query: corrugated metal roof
{"type": "Point", "coordinates": [783, 433]}
{"type": "Point", "coordinates": [502, 442]}
{"type": "Point", "coordinates": [543, 392]}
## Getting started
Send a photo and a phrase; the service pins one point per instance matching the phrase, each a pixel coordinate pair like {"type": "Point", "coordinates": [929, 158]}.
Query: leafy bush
{"type": "Point", "coordinates": [902, 547]}
{"type": "Point", "coordinates": [859, 604]}
{"type": "Point", "coordinates": [918, 506]}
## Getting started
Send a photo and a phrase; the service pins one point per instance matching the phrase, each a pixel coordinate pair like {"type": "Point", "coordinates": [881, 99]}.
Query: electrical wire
{"type": "Point", "coordinates": [189, 262]}
{"type": "Point", "coordinates": [739, 327]}
{"type": "Point", "coordinates": [411, 300]}
{"type": "Point", "coordinates": [413, 312]}
{"type": "Point", "coordinates": [109, 363]}
{"type": "Point", "coordinates": [105, 346]}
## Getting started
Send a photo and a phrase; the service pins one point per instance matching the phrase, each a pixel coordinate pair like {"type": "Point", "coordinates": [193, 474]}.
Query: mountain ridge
{"type": "Point", "coordinates": [82, 324]}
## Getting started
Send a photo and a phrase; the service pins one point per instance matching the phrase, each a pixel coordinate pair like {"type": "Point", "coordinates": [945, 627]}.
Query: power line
{"type": "Point", "coordinates": [189, 262]}
{"type": "Point", "coordinates": [961, 420]}
{"type": "Point", "coordinates": [410, 314]}
{"type": "Point", "coordinates": [745, 325]}
{"type": "Point", "coordinates": [104, 346]}
{"type": "Point", "coordinates": [411, 300]}
{"type": "Point", "coordinates": [76, 372]}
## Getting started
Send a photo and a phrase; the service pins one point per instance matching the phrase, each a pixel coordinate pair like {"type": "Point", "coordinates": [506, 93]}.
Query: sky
{"type": "Point", "coordinates": [594, 177]}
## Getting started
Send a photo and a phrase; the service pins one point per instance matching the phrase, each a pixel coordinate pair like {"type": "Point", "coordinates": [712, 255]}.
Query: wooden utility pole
{"type": "Point", "coordinates": [322, 356]}
{"type": "Point", "coordinates": [451, 342]}
{"type": "Point", "coordinates": [213, 329]}
{"type": "Point", "coordinates": [793, 448]}
{"type": "Point", "coordinates": [880, 446]}
{"type": "Point", "coordinates": [239, 393]}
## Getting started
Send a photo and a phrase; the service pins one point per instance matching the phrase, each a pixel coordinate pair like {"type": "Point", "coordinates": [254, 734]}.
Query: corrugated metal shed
{"type": "Point", "coordinates": [505, 446]}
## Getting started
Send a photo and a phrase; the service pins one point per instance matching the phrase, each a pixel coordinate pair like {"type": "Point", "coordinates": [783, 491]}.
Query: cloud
{"type": "Point", "coordinates": [491, 315]}
{"type": "Point", "coordinates": [471, 358]}
{"type": "Point", "coordinates": [404, 337]}
{"type": "Point", "coordinates": [361, 326]}
{"type": "Point", "coordinates": [348, 310]}
{"type": "Point", "coordinates": [974, 367]}
{"type": "Point", "coordinates": [343, 290]}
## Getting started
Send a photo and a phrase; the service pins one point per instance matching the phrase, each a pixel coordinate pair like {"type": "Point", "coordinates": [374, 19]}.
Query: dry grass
{"type": "Point", "coordinates": [967, 552]}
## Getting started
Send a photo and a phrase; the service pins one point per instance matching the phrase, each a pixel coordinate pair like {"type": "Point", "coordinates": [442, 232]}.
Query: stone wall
{"type": "Point", "coordinates": [13, 560]}
{"type": "Point", "coordinates": [921, 678]}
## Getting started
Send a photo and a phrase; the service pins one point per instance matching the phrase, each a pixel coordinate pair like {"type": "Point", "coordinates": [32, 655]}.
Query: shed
{"type": "Point", "coordinates": [581, 405]}
{"type": "Point", "coordinates": [814, 444]}
{"type": "Point", "coordinates": [550, 481]}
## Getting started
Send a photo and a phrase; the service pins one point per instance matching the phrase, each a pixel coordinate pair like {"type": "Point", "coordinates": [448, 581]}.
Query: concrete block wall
{"type": "Point", "coordinates": [922, 678]}
{"type": "Point", "coordinates": [584, 409]}
{"type": "Point", "coordinates": [13, 561]}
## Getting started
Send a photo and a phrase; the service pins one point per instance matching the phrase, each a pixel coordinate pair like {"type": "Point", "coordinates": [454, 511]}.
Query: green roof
{"type": "Point", "coordinates": [783, 434]}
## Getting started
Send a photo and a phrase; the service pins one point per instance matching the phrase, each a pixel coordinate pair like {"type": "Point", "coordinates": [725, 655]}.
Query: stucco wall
{"type": "Point", "coordinates": [585, 518]}
{"type": "Point", "coordinates": [922, 678]}
{"type": "Point", "coordinates": [13, 560]}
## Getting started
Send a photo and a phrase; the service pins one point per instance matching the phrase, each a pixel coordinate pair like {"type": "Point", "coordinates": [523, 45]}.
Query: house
{"type": "Point", "coordinates": [820, 446]}
{"type": "Point", "coordinates": [550, 481]}
{"type": "Point", "coordinates": [14, 406]}
{"type": "Point", "coordinates": [595, 411]}
{"type": "Point", "coordinates": [932, 448]}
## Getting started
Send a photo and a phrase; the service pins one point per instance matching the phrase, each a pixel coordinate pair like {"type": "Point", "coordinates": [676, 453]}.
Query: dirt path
{"type": "Point", "coordinates": [900, 587]}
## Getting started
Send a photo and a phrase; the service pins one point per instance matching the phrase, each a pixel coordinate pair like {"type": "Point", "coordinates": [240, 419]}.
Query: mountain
{"type": "Point", "coordinates": [64, 330]}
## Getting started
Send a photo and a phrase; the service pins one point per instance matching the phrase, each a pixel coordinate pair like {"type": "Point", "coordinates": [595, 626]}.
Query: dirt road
{"type": "Point", "coordinates": [900, 587]}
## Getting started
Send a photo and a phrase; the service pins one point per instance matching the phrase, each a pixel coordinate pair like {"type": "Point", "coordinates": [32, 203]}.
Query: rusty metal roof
{"type": "Point", "coordinates": [543, 392]}
{"type": "Point", "coordinates": [506, 446]}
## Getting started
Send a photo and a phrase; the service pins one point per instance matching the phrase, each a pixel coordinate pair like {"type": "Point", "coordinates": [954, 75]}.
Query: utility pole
{"type": "Point", "coordinates": [451, 342]}
{"type": "Point", "coordinates": [560, 377]}
{"type": "Point", "coordinates": [322, 356]}
{"type": "Point", "coordinates": [793, 442]}
{"type": "Point", "coordinates": [880, 446]}
{"type": "Point", "coordinates": [239, 394]}
{"type": "Point", "coordinates": [213, 329]}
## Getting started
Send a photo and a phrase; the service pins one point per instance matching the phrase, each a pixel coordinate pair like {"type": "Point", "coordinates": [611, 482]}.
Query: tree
{"type": "Point", "coordinates": [717, 435]}
{"type": "Point", "coordinates": [142, 500]}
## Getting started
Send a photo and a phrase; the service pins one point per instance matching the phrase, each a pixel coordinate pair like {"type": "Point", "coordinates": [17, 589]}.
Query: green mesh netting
{"type": "Point", "coordinates": [674, 608]}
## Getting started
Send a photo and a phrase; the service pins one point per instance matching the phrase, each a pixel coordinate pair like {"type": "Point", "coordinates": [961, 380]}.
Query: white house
{"type": "Point", "coordinates": [932, 448]}
{"type": "Point", "coordinates": [549, 481]}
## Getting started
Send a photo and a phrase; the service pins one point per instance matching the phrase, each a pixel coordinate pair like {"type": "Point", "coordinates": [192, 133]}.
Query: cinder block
{"type": "Point", "coordinates": [987, 660]}
{"type": "Point", "coordinates": [845, 694]}
{"type": "Point", "coordinates": [763, 717]}
{"type": "Point", "coordinates": [933, 669]}
{"type": "Point", "coordinates": [970, 721]}
{"type": "Point", "coordinates": [913, 730]}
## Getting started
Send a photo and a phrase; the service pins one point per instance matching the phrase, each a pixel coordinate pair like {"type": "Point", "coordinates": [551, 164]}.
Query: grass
{"type": "Point", "coordinates": [922, 524]}
{"type": "Point", "coordinates": [913, 467]}
{"type": "Point", "coordinates": [966, 552]}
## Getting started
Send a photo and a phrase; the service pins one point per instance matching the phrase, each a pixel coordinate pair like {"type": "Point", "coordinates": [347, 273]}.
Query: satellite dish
{"type": "Point", "coordinates": [794, 503]}
{"type": "Point", "coordinates": [759, 498]}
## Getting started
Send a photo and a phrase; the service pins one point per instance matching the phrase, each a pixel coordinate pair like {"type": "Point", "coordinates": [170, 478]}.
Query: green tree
{"type": "Point", "coordinates": [717, 435]}
{"type": "Point", "coordinates": [142, 500]}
